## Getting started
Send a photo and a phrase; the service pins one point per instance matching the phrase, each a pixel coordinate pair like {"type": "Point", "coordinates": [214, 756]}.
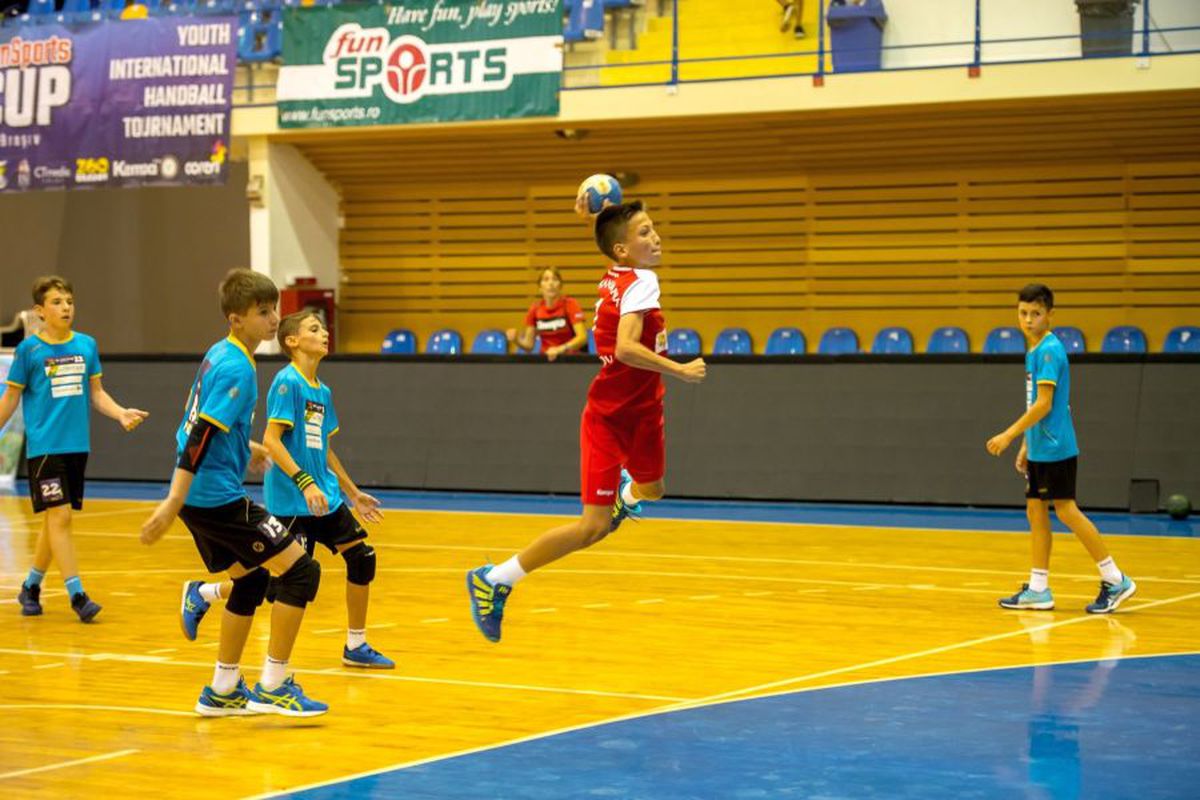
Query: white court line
{"type": "Point", "coordinates": [432, 620]}
{"type": "Point", "coordinates": [656, 600]}
{"type": "Point", "coordinates": [170, 712]}
{"type": "Point", "coordinates": [543, 610]}
{"type": "Point", "coordinates": [51, 666]}
{"type": "Point", "coordinates": [60, 765]}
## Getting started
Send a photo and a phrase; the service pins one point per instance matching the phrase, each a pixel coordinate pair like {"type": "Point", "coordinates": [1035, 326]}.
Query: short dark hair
{"type": "Point", "coordinates": [611, 224]}
{"type": "Point", "coordinates": [243, 289]}
{"type": "Point", "coordinates": [290, 326]}
{"type": "Point", "coordinates": [47, 282]}
{"type": "Point", "coordinates": [1037, 293]}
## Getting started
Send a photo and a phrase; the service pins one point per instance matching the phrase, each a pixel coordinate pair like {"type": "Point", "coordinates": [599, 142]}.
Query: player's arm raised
{"type": "Point", "coordinates": [632, 352]}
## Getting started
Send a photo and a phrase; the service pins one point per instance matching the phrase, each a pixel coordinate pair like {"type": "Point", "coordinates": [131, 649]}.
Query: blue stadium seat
{"type": "Point", "coordinates": [400, 342]}
{"type": "Point", "coordinates": [893, 340]}
{"type": "Point", "coordinates": [948, 340]}
{"type": "Point", "coordinates": [1004, 340]}
{"type": "Point", "coordinates": [683, 342]}
{"type": "Point", "coordinates": [444, 342]}
{"type": "Point", "coordinates": [1072, 339]}
{"type": "Point", "coordinates": [838, 341]}
{"type": "Point", "coordinates": [1184, 339]}
{"type": "Point", "coordinates": [786, 342]}
{"type": "Point", "coordinates": [41, 8]}
{"type": "Point", "coordinates": [490, 342]}
{"type": "Point", "coordinates": [733, 342]}
{"type": "Point", "coordinates": [76, 11]}
{"type": "Point", "coordinates": [1124, 339]}
{"type": "Point", "coordinates": [260, 35]}
{"type": "Point", "coordinates": [585, 20]}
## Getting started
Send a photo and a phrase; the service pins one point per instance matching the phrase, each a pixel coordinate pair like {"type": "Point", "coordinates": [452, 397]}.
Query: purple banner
{"type": "Point", "coordinates": [131, 103]}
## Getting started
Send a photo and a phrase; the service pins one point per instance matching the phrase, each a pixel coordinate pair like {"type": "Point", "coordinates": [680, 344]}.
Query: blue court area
{"type": "Point", "coordinates": [858, 515]}
{"type": "Point", "coordinates": [1123, 728]}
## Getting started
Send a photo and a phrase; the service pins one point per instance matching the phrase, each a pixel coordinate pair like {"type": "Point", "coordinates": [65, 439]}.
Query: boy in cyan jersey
{"type": "Point", "coordinates": [306, 486]}
{"type": "Point", "coordinates": [1048, 459]}
{"type": "Point", "coordinates": [232, 533]}
{"type": "Point", "coordinates": [57, 372]}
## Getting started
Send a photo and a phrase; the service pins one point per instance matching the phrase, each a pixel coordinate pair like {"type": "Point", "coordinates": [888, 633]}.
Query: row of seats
{"type": "Point", "coordinates": [835, 341]}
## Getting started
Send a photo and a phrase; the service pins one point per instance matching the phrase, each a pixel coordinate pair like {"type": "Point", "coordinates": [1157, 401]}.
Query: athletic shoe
{"type": "Point", "coordinates": [621, 509]}
{"type": "Point", "coordinates": [1112, 595]}
{"type": "Point", "coordinates": [30, 599]}
{"type": "Point", "coordinates": [1029, 599]}
{"type": "Point", "coordinates": [366, 656]}
{"type": "Point", "coordinates": [84, 606]}
{"type": "Point", "coordinates": [234, 704]}
{"type": "Point", "coordinates": [287, 699]}
{"type": "Point", "coordinates": [487, 602]}
{"type": "Point", "coordinates": [192, 609]}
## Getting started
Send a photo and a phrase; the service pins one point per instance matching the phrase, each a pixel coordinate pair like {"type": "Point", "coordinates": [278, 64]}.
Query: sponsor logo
{"type": "Point", "coordinates": [194, 169]}
{"type": "Point", "coordinates": [91, 170]}
{"type": "Point", "coordinates": [3, 174]}
{"type": "Point", "coordinates": [24, 177]}
{"type": "Point", "coordinates": [259, 547]}
{"type": "Point", "coordinates": [57, 174]}
{"type": "Point", "coordinates": [169, 168]}
{"type": "Point", "coordinates": [129, 169]}
{"type": "Point", "coordinates": [604, 492]}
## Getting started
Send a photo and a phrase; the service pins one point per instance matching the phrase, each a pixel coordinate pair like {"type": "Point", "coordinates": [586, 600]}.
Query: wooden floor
{"type": "Point", "coordinates": [664, 614]}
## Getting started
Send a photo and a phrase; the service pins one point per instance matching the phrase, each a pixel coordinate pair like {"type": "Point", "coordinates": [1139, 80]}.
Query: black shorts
{"type": "Point", "coordinates": [56, 480]}
{"type": "Point", "coordinates": [241, 532]}
{"type": "Point", "coordinates": [1051, 480]}
{"type": "Point", "coordinates": [334, 529]}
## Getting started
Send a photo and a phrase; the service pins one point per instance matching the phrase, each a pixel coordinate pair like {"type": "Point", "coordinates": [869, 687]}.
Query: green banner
{"type": "Point", "coordinates": [420, 61]}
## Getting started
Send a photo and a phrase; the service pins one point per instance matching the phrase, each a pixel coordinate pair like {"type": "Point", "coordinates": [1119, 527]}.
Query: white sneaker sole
{"type": "Point", "coordinates": [361, 665]}
{"type": "Point", "coordinates": [210, 711]}
{"type": "Point", "coordinates": [1043, 606]}
{"type": "Point", "coordinates": [271, 708]}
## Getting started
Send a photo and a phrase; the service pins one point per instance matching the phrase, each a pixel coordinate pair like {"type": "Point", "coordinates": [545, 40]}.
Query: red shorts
{"type": "Point", "coordinates": [607, 444]}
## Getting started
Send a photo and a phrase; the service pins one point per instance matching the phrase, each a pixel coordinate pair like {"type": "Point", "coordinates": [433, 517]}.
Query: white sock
{"type": "Point", "coordinates": [627, 495]}
{"type": "Point", "coordinates": [509, 572]}
{"type": "Point", "coordinates": [225, 677]}
{"type": "Point", "coordinates": [355, 638]}
{"type": "Point", "coordinates": [1108, 571]}
{"type": "Point", "coordinates": [1039, 580]}
{"type": "Point", "coordinates": [273, 673]}
{"type": "Point", "coordinates": [210, 591]}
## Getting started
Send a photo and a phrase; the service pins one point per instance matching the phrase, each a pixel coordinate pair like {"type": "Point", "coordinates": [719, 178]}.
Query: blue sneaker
{"type": "Point", "coordinates": [84, 606]}
{"type": "Point", "coordinates": [234, 704]}
{"type": "Point", "coordinates": [1029, 600]}
{"type": "Point", "coordinates": [1112, 595]}
{"type": "Point", "coordinates": [620, 509]}
{"type": "Point", "coordinates": [192, 609]}
{"type": "Point", "coordinates": [366, 656]}
{"type": "Point", "coordinates": [287, 699]}
{"type": "Point", "coordinates": [30, 599]}
{"type": "Point", "coordinates": [487, 602]}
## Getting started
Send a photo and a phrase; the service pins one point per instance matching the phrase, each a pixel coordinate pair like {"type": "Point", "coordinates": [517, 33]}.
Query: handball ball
{"type": "Point", "coordinates": [599, 188]}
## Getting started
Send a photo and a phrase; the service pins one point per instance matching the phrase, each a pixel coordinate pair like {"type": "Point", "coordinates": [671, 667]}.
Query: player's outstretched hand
{"type": "Point", "coordinates": [158, 522]}
{"type": "Point", "coordinates": [998, 443]}
{"type": "Point", "coordinates": [316, 500]}
{"type": "Point", "coordinates": [581, 208]}
{"type": "Point", "coordinates": [694, 371]}
{"type": "Point", "coordinates": [130, 418]}
{"type": "Point", "coordinates": [367, 507]}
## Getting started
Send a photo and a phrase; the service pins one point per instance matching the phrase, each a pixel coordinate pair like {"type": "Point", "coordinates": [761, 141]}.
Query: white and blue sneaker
{"type": "Point", "coordinates": [234, 704]}
{"type": "Point", "coordinates": [366, 656]}
{"type": "Point", "coordinates": [192, 609]}
{"type": "Point", "coordinates": [621, 509]}
{"type": "Point", "coordinates": [1029, 600]}
{"type": "Point", "coordinates": [1112, 595]}
{"type": "Point", "coordinates": [287, 699]}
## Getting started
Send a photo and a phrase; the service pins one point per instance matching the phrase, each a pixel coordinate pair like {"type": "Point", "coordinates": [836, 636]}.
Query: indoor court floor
{"type": "Point", "coordinates": [712, 650]}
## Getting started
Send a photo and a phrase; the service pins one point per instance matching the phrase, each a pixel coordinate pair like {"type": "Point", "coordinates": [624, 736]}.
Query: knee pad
{"type": "Point", "coordinates": [247, 593]}
{"type": "Point", "coordinates": [360, 564]}
{"type": "Point", "coordinates": [298, 586]}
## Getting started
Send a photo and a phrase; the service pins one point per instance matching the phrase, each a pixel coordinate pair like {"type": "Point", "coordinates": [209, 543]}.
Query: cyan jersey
{"type": "Point", "coordinates": [55, 380]}
{"type": "Point", "coordinates": [306, 410]}
{"type": "Point", "coordinates": [1052, 439]}
{"type": "Point", "coordinates": [223, 393]}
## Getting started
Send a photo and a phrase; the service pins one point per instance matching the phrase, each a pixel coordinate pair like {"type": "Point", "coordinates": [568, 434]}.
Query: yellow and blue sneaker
{"type": "Point", "coordinates": [1029, 600]}
{"type": "Point", "coordinates": [287, 699]}
{"type": "Point", "coordinates": [234, 704]}
{"type": "Point", "coordinates": [621, 509]}
{"type": "Point", "coordinates": [30, 599]}
{"type": "Point", "coordinates": [1112, 595]}
{"type": "Point", "coordinates": [487, 602]}
{"type": "Point", "coordinates": [192, 609]}
{"type": "Point", "coordinates": [366, 656]}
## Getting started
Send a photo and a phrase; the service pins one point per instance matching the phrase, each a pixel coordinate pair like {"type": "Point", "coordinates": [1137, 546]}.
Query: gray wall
{"type": "Point", "coordinates": [907, 430]}
{"type": "Point", "coordinates": [145, 263]}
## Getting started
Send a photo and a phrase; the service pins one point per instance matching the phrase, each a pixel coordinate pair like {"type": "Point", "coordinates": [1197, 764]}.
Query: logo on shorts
{"type": "Point", "coordinates": [51, 490]}
{"type": "Point", "coordinates": [259, 547]}
{"type": "Point", "coordinates": [605, 491]}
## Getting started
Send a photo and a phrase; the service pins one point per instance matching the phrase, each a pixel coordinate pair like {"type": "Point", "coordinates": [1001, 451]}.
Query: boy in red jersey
{"type": "Point", "coordinates": [622, 424]}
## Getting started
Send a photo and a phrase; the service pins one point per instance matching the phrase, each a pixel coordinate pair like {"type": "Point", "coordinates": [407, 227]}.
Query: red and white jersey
{"type": "Point", "coordinates": [555, 325]}
{"type": "Point", "coordinates": [619, 388]}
